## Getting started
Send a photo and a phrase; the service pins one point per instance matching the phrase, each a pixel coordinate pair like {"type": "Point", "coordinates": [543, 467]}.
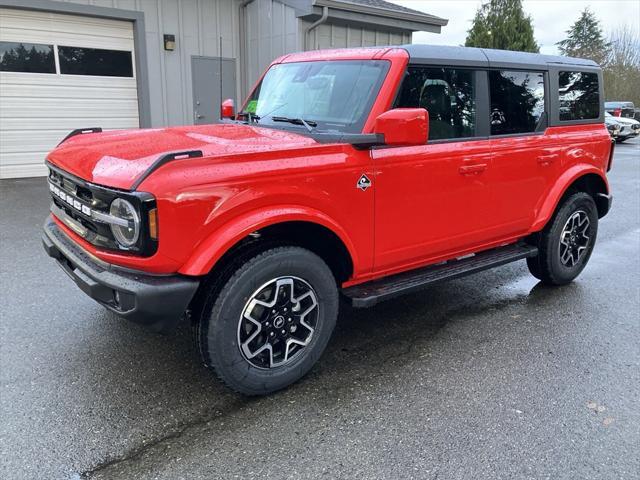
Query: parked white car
{"type": "Point", "coordinates": [629, 128]}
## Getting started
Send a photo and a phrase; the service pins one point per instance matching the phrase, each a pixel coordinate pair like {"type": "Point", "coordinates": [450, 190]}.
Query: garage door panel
{"type": "Point", "coordinates": [21, 107]}
{"type": "Point", "coordinates": [85, 92]}
{"type": "Point", "coordinates": [68, 124]}
{"type": "Point", "coordinates": [70, 40]}
{"type": "Point", "coordinates": [24, 158]}
{"type": "Point", "coordinates": [38, 110]}
{"type": "Point", "coordinates": [76, 81]}
{"type": "Point", "coordinates": [24, 141]}
{"type": "Point", "coordinates": [56, 24]}
{"type": "Point", "coordinates": [31, 169]}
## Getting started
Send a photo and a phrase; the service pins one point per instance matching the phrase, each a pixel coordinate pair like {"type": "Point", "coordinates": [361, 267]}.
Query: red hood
{"type": "Point", "coordinates": [117, 158]}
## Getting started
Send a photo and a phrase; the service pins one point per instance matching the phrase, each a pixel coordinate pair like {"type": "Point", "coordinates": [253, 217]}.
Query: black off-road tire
{"type": "Point", "coordinates": [548, 266]}
{"type": "Point", "coordinates": [216, 328]}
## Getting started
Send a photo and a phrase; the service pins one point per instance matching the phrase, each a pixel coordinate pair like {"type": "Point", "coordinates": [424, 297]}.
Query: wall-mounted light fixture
{"type": "Point", "coordinates": [169, 42]}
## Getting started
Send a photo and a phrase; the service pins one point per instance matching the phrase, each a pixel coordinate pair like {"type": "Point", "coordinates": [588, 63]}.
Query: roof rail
{"type": "Point", "coordinates": [80, 131]}
{"type": "Point", "coordinates": [163, 160]}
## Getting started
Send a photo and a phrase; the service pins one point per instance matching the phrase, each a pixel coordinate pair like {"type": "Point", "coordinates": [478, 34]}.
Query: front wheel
{"type": "Point", "coordinates": [566, 243]}
{"type": "Point", "coordinates": [270, 322]}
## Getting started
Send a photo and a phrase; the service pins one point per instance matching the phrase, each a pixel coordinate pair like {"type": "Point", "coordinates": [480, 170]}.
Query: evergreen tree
{"type": "Point", "coordinates": [502, 24]}
{"type": "Point", "coordinates": [585, 39]}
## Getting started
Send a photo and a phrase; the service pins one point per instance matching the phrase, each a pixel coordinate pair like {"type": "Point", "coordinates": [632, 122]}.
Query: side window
{"type": "Point", "coordinates": [26, 57]}
{"type": "Point", "coordinates": [95, 61]}
{"type": "Point", "coordinates": [579, 96]}
{"type": "Point", "coordinates": [517, 101]}
{"type": "Point", "coordinates": [448, 95]}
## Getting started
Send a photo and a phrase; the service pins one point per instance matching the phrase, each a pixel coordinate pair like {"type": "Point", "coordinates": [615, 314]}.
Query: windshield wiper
{"type": "Point", "coordinates": [308, 124]}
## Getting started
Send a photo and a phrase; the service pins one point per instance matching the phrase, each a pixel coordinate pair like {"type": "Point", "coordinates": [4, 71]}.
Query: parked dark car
{"type": "Point", "coordinates": [620, 109]}
{"type": "Point", "coordinates": [636, 114]}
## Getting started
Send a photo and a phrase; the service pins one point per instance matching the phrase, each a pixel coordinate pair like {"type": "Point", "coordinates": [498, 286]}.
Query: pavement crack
{"type": "Point", "coordinates": [176, 432]}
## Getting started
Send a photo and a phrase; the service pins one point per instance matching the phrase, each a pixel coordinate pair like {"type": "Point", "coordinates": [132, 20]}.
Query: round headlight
{"type": "Point", "coordinates": [127, 236]}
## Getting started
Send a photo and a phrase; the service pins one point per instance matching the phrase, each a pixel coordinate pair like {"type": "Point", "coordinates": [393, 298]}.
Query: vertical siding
{"type": "Point", "coordinates": [198, 26]}
{"type": "Point", "coordinates": [272, 31]}
{"type": "Point", "coordinates": [338, 36]}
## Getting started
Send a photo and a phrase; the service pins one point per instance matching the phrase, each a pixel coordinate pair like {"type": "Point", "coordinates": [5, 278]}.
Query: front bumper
{"type": "Point", "coordinates": [627, 132]}
{"type": "Point", "coordinates": [155, 301]}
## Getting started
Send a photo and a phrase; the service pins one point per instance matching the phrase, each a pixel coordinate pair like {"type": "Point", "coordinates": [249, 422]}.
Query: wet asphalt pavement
{"type": "Point", "coordinates": [491, 376]}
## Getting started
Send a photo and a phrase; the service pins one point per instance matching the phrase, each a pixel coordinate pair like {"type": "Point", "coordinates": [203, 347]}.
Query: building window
{"type": "Point", "coordinates": [448, 95]}
{"type": "Point", "coordinates": [26, 57]}
{"type": "Point", "coordinates": [95, 61]}
{"type": "Point", "coordinates": [579, 96]}
{"type": "Point", "coordinates": [517, 101]}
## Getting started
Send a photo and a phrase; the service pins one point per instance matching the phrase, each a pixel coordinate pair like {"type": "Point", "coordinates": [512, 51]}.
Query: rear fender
{"type": "Point", "coordinates": [565, 181]}
{"type": "Point", "coordinates": [208, 252]}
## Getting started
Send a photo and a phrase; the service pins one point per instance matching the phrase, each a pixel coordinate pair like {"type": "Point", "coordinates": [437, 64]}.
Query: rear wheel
{"type": "Point", "coordinates": [566, 243]}
{"type": "Point", "coordinates": [270, 322]}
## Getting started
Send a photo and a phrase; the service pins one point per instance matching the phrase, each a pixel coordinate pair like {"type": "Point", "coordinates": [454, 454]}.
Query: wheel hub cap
{"type": "Point", "coordinates": [277, 322]}
{"type": "Point", "coordinates": [574, 238]}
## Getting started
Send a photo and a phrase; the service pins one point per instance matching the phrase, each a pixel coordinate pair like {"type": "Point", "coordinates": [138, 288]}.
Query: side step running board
{"type": "Point", "coordinates": [370, 293]}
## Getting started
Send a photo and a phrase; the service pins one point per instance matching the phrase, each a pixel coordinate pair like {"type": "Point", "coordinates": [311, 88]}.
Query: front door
{"type": "Point", "coordinates": [434, 200]}
{"type": "Point", "coordinates": [430, 201]}
{"type": "Point", "coordinates": [214, 80]}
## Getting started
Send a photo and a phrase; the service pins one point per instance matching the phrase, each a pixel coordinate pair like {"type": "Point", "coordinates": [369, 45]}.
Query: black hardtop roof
{"type": "Point", "coordinates": [487, 57]}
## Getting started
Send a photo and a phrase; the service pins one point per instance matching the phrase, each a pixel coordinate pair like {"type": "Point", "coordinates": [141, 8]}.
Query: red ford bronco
{"type": "Point", "coordinates": [361, 173]}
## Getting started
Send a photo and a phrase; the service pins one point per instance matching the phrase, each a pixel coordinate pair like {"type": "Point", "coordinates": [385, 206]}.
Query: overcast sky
{"type": "Point", "coordinates": [551, 18]}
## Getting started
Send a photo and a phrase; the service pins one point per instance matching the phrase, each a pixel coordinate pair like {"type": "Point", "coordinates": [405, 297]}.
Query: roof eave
{"type": "Point", "coordinates": [414, 18]}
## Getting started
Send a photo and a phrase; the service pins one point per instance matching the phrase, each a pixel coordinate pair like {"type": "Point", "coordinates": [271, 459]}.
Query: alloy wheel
{"type": "Point", "coordinates": [574, 239]}
{"type": "Point", "coordinates": [278, 322]}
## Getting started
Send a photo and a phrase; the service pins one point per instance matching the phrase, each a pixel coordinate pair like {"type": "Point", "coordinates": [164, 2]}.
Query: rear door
{"type": "Point", "coordinates": [526, 160]}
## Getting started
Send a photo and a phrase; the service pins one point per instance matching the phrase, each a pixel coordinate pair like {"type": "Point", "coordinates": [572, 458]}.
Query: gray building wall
{"type": "Point", "coordinates": [272, 29]}
{"type": "Point", "coordinates": [198, 26]}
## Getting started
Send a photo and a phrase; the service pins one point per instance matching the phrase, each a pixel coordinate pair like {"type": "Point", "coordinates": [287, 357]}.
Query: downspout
{"type": "Point", "coordinates": [242, 54]}
{"type": "Point", "coordinates": [314, 25]}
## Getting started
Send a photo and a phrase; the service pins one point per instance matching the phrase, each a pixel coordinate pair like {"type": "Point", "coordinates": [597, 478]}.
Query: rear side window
{"type": "Point", "coordinates": [579, 96]}
{"type": "Point", "coordinates": [517, 101]}
{"type": "Point", "coordinates": [95, 61]}
{"type": "Point", "coordinates": [448, 94]}
{"type": "Point", "coordinates": [26, 57]}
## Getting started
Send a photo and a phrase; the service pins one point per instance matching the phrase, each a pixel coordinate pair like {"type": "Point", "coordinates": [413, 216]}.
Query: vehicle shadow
{"type": "Point", "coordinates": [162, 374]}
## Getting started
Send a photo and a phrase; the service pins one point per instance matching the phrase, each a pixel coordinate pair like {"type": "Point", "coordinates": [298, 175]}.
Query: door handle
{"type": "Point", "coordinates": [472, 169]}
{"type": "Point", "coordinates": [547, 159]}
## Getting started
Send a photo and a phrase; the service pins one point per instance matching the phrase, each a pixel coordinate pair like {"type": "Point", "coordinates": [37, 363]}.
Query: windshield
{"type": "Point", "coordinates": [329, 95]}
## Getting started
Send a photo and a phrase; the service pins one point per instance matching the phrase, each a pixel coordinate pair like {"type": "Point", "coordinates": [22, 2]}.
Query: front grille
{"type": "Point", "coordinates": [77, 202]}
{"type": "Point", "coordinates": [73, 203]}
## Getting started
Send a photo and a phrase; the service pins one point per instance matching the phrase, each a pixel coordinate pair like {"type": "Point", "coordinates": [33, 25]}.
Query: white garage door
{"type": "Point", "coordinates": [57, 73]}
